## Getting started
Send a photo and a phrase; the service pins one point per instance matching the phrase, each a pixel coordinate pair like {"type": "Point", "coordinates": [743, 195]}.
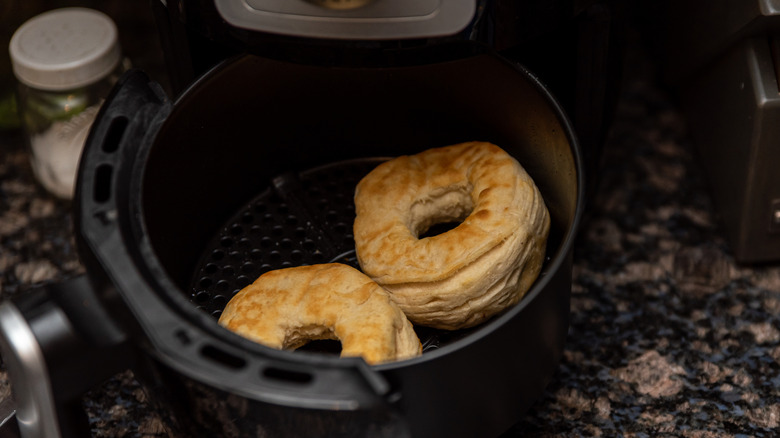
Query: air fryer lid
{"type": "Point", "coordinates": [191, 174]}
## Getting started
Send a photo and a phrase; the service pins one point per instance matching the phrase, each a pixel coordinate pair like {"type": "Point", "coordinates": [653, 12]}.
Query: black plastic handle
{"type": "Point", "coordinates": [57, 342]}
{"type": "Point", "coordinates": [187, 345]}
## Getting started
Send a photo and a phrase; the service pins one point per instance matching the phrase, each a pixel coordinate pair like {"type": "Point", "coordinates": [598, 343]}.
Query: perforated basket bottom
{"type": "Point", "coordinates": [302, 219]}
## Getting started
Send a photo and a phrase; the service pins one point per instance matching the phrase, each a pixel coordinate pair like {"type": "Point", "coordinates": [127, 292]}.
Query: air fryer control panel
{"type": "Point", "coordinates": [350, 19]}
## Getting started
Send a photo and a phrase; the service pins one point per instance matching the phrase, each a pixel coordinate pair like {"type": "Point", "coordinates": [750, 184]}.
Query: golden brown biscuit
{"type": "Point", "coordinates": [286, 308]}
{"type": "Point", "coordinates": [461, 277]}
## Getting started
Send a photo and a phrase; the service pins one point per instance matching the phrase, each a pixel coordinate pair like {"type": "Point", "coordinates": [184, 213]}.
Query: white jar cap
{"type": "Point", "coordinates": [65, 48]}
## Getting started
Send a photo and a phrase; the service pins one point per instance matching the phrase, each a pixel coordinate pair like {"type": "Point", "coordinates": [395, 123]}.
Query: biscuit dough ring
{"type": "Point", "coordinates": [461, 277]}
{"type": "Point", "coordinates": [288, 307]}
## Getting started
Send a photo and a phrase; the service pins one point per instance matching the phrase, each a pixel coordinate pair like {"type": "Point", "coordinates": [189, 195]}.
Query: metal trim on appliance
{"type": "Point", "coordinates": [35, 411]}
{"type": "Point", "coordinates": [375, 21]}
{"type": "Point", "coordinates": [732, 108]}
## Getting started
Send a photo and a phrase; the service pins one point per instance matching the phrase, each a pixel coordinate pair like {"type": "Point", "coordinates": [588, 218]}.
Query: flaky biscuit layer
{"type": "Point", "coordinates": [286, 308]}
{"type": "Point", "coordinates": [464, 276]}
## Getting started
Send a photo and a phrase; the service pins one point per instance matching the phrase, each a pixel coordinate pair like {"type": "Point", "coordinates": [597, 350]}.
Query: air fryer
{"type": "Point", "coordinates": [181, 203]}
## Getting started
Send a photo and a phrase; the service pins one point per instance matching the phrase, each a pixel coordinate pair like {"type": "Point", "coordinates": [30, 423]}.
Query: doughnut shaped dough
{"type": "Point", "coordinates": [288, 307]}
{"type": "Point", "coordinates": [464, 276]}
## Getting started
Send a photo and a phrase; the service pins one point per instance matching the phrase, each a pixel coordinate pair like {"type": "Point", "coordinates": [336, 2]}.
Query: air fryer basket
{"type": "Point", "coordinates": [253, 168]}
{"type": "Point", "coordinates": [303, 218]}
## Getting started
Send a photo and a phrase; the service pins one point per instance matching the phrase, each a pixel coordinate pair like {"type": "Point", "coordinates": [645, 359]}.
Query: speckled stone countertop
{"type": "Point", "coordinates": [668, 337]}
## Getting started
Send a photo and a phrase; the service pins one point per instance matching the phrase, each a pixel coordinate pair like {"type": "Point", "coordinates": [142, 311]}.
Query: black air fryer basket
{"type": "Point", "coordinates": [253, 168]}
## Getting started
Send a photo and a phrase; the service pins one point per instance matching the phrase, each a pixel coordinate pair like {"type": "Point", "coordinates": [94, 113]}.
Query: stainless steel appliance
{"type": "Point", "coordinates": [725, 69]}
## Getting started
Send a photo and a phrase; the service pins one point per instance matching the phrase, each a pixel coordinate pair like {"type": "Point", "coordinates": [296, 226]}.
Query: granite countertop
{"type": "Point", "coordinates": [668, 337]}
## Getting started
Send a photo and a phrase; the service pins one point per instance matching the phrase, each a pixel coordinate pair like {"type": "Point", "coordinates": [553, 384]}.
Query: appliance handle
{"type": "Point", "coordinates": [57, 342]}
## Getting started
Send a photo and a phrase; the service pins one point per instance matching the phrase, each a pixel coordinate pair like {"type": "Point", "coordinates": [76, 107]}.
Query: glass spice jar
{"type": "Point", "coordinates": [65, 62]}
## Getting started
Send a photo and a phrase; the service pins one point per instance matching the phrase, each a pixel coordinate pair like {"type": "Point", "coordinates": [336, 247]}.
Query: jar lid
{"type": "Point", "coordinates": [64, 48]}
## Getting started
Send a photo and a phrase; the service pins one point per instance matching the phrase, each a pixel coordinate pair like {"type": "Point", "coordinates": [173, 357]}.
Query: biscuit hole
{"type": "Point", "coordinates": [327, 346]}
{"type": "Point", "coordinates": [440, 211]}
{"type": "Point", "coordinates": [439, 228]}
